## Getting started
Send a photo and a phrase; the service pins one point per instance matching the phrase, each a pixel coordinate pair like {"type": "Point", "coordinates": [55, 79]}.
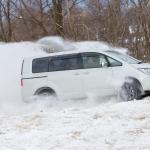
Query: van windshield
{"type": "Point", "coordinates": [125, 57]}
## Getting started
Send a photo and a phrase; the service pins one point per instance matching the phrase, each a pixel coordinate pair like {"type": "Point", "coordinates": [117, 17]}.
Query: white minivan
{"type": "Point", "coordinates": [75, 74]}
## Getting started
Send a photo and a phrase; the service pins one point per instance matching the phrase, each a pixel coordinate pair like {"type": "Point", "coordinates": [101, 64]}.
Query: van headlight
{"type": "Point", "coordinates": [145, 70]}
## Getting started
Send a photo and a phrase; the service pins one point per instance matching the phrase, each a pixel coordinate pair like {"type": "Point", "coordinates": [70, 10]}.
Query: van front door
{"type": "Point", "coordinates": [97, 74]}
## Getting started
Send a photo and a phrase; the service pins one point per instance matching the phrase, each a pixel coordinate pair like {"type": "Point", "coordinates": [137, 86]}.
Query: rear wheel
{"type": "Point", "coordinates": [46, 94]}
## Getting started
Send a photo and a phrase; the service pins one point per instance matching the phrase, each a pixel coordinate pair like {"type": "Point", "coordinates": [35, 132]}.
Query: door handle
{"type": "Point", "coordinates": [76, 74]}
{"type": "Point", "coordinates": [86, 73]}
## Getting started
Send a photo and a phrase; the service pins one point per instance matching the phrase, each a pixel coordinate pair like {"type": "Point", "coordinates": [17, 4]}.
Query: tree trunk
{"type": "Point", "coordinates": [58, 17]}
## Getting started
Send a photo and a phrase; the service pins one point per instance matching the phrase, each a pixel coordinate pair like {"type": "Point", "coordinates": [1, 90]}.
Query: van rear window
{"type": "Point", "coordinates": [40, 65]}
{"type": "Point", "coordinates": [57, 63]}
{"type": "Point", "coordinates": [68, 63]}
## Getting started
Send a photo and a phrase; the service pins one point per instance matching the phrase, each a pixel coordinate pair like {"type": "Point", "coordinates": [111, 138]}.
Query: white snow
{"type": "Point", "coordinates": [11, 58]}
{"type": "Point", "coordinates": [54, 43]}
{"type": "Point", "coordinates": [118, 126]}
{"type": "Point", "coordinates": [49, 124]}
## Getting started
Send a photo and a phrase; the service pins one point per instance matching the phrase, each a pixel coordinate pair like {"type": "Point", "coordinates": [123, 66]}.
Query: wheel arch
{"type": "Point", "coordinates": [43, 89]}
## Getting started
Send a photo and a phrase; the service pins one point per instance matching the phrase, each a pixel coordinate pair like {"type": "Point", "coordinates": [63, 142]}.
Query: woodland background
{"type": "Point", "coordinates": [124, 23]}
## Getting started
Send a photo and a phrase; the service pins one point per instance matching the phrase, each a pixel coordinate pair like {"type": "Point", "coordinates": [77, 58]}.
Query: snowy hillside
{"type": "Point", "coordinates": [48, 124]}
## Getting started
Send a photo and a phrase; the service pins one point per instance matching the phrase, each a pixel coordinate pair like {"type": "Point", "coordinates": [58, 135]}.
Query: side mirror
{"type": "Point", "coordinates": [104, 64]}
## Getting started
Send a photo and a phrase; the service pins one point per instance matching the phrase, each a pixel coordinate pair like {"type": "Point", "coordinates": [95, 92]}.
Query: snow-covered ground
{"type": "Point", "coordinates": [48, 124]}
{"type": "Point", "coordinates": [116, 126]}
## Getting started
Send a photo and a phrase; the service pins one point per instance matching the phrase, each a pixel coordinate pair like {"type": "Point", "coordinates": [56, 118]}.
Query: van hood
{"type": "Point", "coordinates": [142, 65]}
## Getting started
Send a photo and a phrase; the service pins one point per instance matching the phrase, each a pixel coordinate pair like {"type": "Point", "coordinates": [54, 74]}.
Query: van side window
{"type": "Point", "coordinates": [113, 62]}
{"type": "Point", "coordinates": [94, 60]}
{"type": "Point", "coordinates": [66, 63]}
{"type": "Point", "coordinates": [40, 65]}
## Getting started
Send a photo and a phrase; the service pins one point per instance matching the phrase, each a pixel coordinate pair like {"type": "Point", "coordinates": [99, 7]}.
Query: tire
{"type": "Point", "coordinates": [130, 91]}
{"type": "Point", "coordinates": [44, 93]}
{"type": "Point", "coordinates": [47, 94]}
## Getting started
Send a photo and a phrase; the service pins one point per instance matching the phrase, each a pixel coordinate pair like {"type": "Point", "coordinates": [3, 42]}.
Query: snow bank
{"type": "Point", "coordinates": [123, 126]}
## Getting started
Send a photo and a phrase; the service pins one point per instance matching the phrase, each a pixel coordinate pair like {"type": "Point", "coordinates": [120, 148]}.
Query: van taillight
{"type": "Point", "coordinates": [21, 82]}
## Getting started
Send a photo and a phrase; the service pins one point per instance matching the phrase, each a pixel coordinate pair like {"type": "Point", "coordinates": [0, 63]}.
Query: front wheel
{"type": "Point", "coordinates": [130, 91]}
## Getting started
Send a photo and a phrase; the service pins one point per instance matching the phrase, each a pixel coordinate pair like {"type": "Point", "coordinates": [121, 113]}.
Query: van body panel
{"type": "Point", "coordinates": [82, 78]}
{"type": "Point", "coordinates": [98, 81]}
{"type": "Point", "coordinates": [70, 83]}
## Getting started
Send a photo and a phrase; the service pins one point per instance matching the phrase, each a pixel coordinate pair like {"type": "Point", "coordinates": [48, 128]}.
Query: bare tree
{"type": "Point", "coordinates": [6, 11]}
{"type": "Point", "coordinates": [58, 16]}
{"type": "Point", "coordinates": [120, 22]}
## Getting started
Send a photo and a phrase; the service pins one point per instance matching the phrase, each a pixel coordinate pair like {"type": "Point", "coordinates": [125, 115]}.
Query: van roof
{"type": "Point", "coordinates": [65, 52]}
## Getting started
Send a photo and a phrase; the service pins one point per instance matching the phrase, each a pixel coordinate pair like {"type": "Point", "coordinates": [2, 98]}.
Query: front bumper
{"type": "Point", "coordinates": [146, 84]}
{"type": "Point", "coordinates": [146, 87]}
{"type": "Point", "coordinates": [145, 94]}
